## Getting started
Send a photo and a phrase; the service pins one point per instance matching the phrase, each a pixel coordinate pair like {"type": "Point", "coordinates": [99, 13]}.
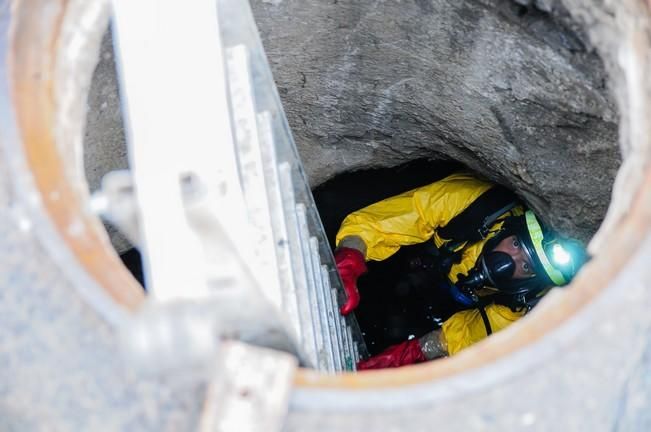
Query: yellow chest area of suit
{"type": "Point", "coordinates": [469, 256]}
{"type": "Point", "coordinates": [472, 252]}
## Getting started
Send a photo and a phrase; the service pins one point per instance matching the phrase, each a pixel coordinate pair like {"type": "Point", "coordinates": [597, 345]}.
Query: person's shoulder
{"type": "Point", "coordinates": [504, 312]}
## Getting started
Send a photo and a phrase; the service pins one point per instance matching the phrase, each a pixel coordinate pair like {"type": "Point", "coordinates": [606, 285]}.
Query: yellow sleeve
{"type": "Point", "coordinates": [411, 217]}
{"type": "Point", "coordinates": [467, 327]}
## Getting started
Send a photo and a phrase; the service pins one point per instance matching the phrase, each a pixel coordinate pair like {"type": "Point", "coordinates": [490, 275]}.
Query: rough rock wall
{"type": "Point", "coordinates": [510, 88]}
{"type": "Point", "coordinates": [104, 140]}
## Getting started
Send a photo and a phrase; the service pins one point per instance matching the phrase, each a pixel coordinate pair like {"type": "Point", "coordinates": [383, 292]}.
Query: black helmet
{"type": "Point", "coordinates": [555, 260]}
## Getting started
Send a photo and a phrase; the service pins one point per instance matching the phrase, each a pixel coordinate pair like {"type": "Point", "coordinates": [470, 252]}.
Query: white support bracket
{"type": "Point", "coordinates": [249, 390]}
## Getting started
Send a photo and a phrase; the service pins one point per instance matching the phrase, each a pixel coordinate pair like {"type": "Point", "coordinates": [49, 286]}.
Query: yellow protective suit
{"type": "Point", "coordinates": [413, 217]}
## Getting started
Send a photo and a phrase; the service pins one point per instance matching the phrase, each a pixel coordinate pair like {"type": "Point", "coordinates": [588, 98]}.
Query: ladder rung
{"type": "Point", "coordinates": [320, 297]}
{"type": "Point", "coordinates": [339, 329]}
{"type": "Point", "coordinates": [356, 352]}
{"type": "Point", "coordinates": [347, 351]}
{"type": "Point", "coordinates": [249, 146]}
{"type": "Point", "coordinates": [351, 347]}
{"type": "Point", "coordinates": [304, 233]}
{"type": "Point", "coordinates": [278, 223]}
{"type": "Point", "coordinates": [332, 313]}
{"type": "Point", "coordinates": [298, 264]}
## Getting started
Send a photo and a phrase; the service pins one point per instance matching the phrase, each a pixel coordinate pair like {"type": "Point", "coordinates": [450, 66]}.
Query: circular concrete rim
{"type": "Point", "coordinates": [36, 49]}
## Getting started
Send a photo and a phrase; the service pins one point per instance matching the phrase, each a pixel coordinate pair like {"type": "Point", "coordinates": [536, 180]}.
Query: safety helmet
{"type": "Point", "coordinates": [555, 260]}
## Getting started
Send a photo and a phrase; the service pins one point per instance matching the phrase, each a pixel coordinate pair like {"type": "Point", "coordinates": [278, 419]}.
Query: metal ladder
{"type": "Point", "coordinates": [270, 216]}
{"type": "Point", "coordinates": [292, 246]}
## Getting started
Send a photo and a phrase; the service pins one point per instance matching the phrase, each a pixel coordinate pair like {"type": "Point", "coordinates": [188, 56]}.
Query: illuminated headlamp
{"type": "Point", "coordinates": [552, 256]}
{"type": "Point", "coordinates": [559, 255]}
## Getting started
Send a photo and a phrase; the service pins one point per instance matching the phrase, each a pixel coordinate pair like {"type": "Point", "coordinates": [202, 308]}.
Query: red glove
{"type": "Point", "coordinates": [350, 265]}
{"type": "Point", "coordinates": [406, 353]}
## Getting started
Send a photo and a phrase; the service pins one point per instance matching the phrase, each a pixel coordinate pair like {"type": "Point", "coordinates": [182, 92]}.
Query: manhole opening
{"type": "Point", "coordinates": [387, 315]}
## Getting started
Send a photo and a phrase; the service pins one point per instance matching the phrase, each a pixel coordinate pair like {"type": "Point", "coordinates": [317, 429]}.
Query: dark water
{"type": "Point", "coordinates": [394, 305]}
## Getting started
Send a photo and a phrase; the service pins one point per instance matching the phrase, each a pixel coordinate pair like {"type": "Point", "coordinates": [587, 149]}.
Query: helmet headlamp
{"type": "Point", "coordinates": [560, 260]}
{"type": "Point", "coordinates": [560, 255]}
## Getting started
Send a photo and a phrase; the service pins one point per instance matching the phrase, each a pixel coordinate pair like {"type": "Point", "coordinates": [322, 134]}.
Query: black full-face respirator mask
{"type": "Point", "coordinates": [494, 269]}
{"type": "Point", "coordinates": [554, 262]}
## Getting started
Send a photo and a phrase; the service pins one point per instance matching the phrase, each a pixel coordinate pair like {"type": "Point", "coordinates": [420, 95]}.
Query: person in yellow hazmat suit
{"type": "Point", "coordinates": [493, 256]}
